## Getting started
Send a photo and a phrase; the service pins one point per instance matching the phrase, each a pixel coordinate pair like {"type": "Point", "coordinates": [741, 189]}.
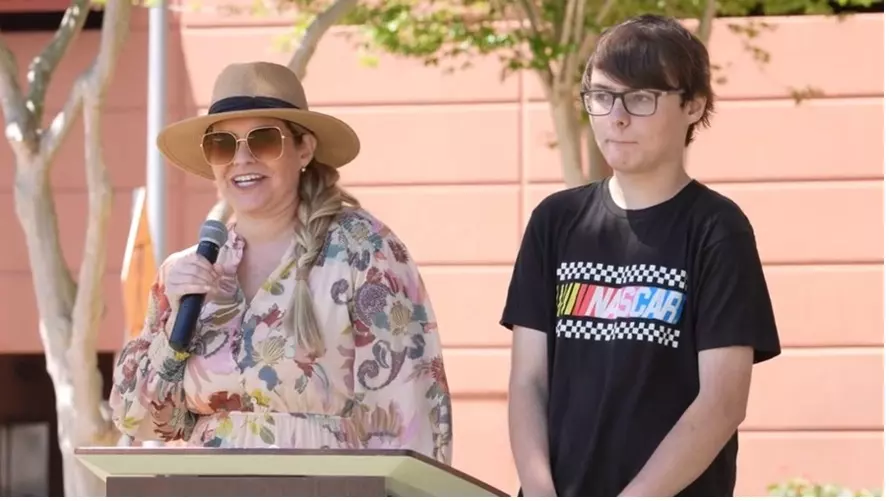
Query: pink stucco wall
{"type": "Point", "coordinates": [455, 163]}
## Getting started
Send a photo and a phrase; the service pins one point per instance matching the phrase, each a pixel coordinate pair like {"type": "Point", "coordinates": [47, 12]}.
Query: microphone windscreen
{"type": "Point", "coordinates": [213, 231]}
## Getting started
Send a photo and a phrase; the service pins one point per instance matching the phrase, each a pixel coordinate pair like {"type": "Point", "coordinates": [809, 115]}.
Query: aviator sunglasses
{"type": "Point", "coordinates": [265, 144]}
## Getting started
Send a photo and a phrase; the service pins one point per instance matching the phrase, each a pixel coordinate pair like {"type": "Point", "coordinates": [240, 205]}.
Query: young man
{"type": "Point", "coordinates": [638, 304]}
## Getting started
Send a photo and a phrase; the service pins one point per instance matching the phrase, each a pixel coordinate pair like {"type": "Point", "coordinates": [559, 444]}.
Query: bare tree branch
{"type": "Point", "coordinates": [52, 137]}
{"type": "Point", "coordinates": [527, 26]}
{"type": "Point", "coordinates": [13, 105]}
{"type": "Point", "coordinates": [579, 24]}
{"type": "Point", "coordinates": [35, 207]}
{"type": "Point", "coordinates": [574, 36]}
{"type": "Point", "coordinates": [42, 67]}
{"type": "Point", "coordinates": [605, 11]}
{"type": "Point", "coordinates": [316, 30]}
{"type": "Point", "coordinates": [588, 44]}
{"type": "Point", "coordinates": [34, 203]}
{"type": "Point", "coordinates": [564, 33]}
{"type": "Point", "coordinates": [86, 315]}
{"type": "Point", "coordinates": [20, 131]}
{"type": "Point", "coordinates": [81, 354]}
{"type": "Point", "coordinates": [705, 24]}
{"type": "Point", "coordinates": [53, 284]}
{"type": "Point", "coordinates": [532, 14]}
{"type": "Point", "coordinates": [567, 129]}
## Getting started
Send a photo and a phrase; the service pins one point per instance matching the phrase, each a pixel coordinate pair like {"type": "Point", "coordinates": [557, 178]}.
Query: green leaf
{"type": "Point", "coordinates": [301, 383]}
{"type": "Point", "coordinates": [223, 315]}
{"type": "Point", "coordinates": [224, 428]}
{"type": "Point", "coordinates": [267, 436]}
{"type": "Point", "coordinates": [274, 287]}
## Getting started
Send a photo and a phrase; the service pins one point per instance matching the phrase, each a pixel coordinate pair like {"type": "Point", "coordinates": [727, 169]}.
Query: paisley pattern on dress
{"type": "Point", "coordinates": [381, 382]}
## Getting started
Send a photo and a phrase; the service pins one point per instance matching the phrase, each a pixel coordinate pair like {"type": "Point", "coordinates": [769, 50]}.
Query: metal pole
{"type": "Point", "coordinates": [156, 179]}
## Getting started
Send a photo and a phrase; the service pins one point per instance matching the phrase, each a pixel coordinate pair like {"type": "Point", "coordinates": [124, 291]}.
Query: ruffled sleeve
{"type": "Point", "coordinates": [147, 397]}
{"type": "Point", "coordinates": [400, 381]}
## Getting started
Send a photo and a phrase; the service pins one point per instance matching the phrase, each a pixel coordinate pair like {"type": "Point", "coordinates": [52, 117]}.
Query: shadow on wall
{"type": "Point", "coordinates": [802, 487]}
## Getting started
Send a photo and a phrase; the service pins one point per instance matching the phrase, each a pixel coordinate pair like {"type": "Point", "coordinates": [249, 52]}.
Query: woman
{"type": "Point", "coordinates": [317, 331]}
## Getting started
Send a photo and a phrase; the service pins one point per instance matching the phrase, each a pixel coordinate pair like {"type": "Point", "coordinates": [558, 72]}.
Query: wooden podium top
{"type": "Point", "coordinates": [408, 473]}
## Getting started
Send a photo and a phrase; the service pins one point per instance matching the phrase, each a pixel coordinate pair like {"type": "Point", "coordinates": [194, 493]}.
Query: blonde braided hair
{"type": "Point", "coordinates": [321, 200]}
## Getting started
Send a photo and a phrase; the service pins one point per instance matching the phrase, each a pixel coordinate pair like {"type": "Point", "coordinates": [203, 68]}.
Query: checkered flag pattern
{"type": "Point", "coordinates": [598, 330]}
{"type": "Point", "coordinates": [618, 275]}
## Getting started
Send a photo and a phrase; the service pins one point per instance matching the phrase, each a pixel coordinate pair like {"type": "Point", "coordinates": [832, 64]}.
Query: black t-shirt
{"type": "Point", "coordinates": [628, 299]}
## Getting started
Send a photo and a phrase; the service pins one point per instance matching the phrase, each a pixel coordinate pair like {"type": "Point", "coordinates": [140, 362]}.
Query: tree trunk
{"type": "Point", "coordinates": [299, 62]}
{"type": "Point", "coordinates": [72, 367]}
{"type": "Point", "coordinates": [568, 136]}
{"type": "Point", "coordinates": [69, 312]}
{"type": "Point", "coordinates": [705, 21]}
{"type": "Point", "coordinates": [597, 168]}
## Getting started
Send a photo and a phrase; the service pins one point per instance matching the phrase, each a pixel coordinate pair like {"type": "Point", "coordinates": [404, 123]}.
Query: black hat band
{"type": "Point", "coordinates": [244, 103]}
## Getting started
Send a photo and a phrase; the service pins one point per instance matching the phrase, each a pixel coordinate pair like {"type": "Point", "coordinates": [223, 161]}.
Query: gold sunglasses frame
{"type": "Point", "coordinates": [246, 140]}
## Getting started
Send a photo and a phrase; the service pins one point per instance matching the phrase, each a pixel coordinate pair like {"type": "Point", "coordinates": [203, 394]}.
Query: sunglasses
{"type": "Point", "coordinates": [264, 144]}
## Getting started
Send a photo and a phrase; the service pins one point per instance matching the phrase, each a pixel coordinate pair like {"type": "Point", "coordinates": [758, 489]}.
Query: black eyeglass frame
{"type": "Point", "coordinates": [615, 95]}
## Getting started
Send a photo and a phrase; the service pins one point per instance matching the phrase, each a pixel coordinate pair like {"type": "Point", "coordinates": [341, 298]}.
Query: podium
{"type": "Point", "coordinates": [264, 472]}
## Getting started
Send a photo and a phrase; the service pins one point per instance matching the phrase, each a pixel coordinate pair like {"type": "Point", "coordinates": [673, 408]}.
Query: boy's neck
{"type": "Point", "coordinates": [635, 191]}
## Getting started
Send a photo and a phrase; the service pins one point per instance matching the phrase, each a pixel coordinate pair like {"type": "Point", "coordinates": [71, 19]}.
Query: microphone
{"type": "Point", "coordinates": [212, 236]}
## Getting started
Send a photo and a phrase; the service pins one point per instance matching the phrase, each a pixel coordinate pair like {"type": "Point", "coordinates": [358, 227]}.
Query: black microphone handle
{"type": "Point", "coordinates": [190, 306]}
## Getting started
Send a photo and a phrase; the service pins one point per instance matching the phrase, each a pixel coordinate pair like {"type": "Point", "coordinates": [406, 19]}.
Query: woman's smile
{"type": "Point", "coordinates": [244, 181]}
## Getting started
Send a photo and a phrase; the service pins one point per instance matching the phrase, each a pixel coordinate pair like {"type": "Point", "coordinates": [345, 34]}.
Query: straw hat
{"type": "Point", "coordinates": [257, 89]}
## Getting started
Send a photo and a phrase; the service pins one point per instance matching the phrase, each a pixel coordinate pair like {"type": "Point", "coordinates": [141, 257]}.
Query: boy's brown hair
{"type": "Point", "coordinates": [658, 53]}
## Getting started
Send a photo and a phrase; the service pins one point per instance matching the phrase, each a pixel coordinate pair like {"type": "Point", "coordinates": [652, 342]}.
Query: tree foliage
{"type": "Point", "coordinates": [803, 487]}
{"type": "Point", "coordinates": [535, 34]}
{"type": "Point", "coordinates": [553, 39]}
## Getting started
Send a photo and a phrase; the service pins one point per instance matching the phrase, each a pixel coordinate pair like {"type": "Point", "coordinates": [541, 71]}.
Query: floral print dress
{"type": "Point", "coordinates": [380, 384]}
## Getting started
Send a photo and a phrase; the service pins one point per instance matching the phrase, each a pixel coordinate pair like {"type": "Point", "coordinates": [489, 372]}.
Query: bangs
{"type": "Point", "coordinates": [644, 58]}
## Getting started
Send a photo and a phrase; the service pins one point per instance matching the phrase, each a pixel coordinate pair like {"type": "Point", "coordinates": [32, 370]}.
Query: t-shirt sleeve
{"type": "Point", "coordinates": [733, 305]}
{"type": "Point", "coordinates": [530, 298]}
